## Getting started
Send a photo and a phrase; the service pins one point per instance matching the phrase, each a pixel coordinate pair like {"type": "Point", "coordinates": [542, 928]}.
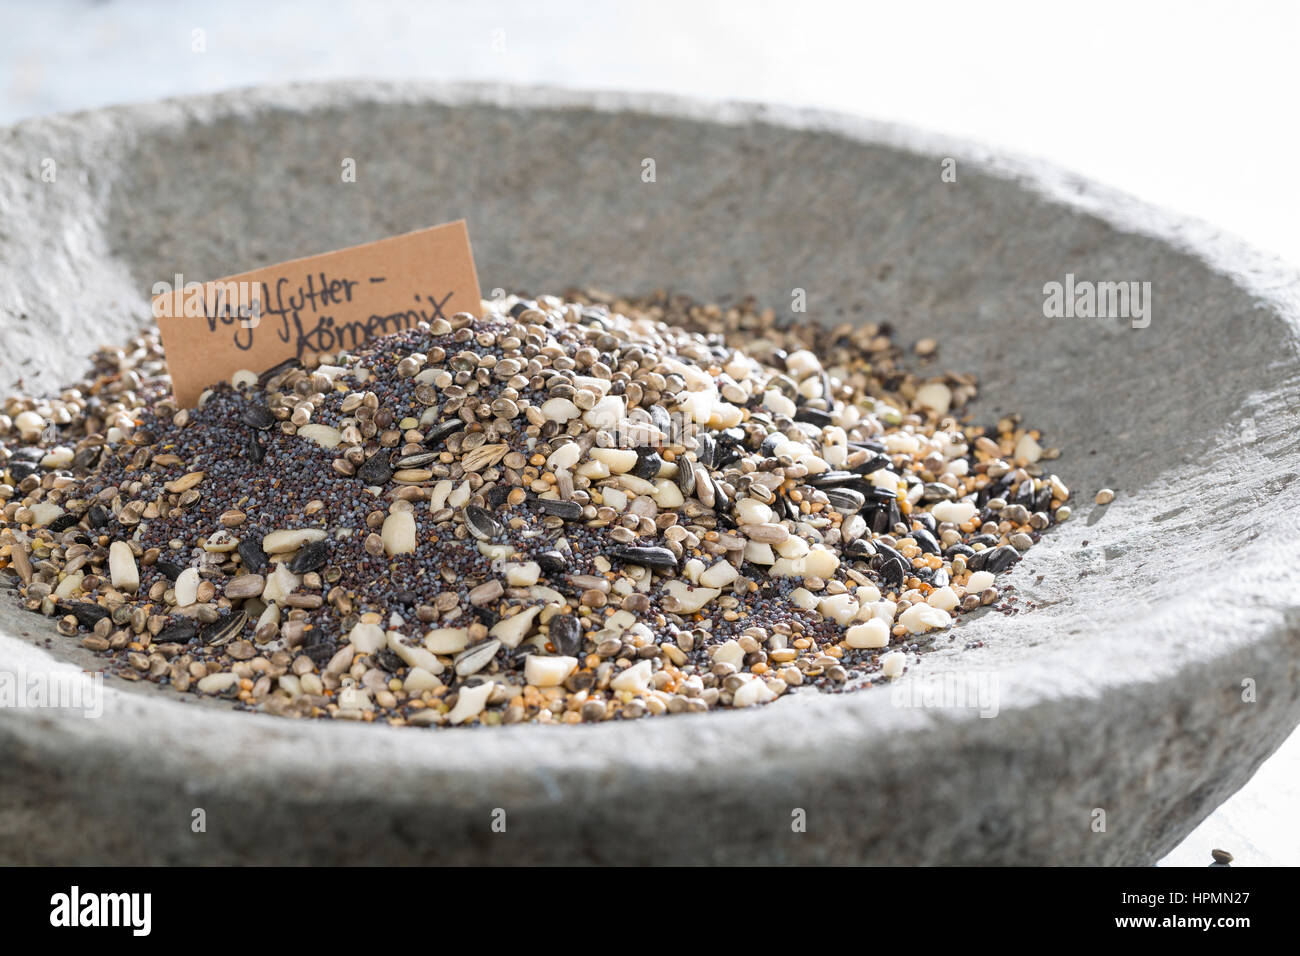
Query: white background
{"type": "Point", "coordinates": [1189, 105]}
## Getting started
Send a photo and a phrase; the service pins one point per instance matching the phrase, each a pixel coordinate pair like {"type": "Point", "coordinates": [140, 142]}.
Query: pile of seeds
{"type": "Point", "coordinates": [567, 511]}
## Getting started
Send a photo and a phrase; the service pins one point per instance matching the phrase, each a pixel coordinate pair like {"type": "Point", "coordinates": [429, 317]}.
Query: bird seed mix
{"type": "Point", "coordinates": [571, 510]}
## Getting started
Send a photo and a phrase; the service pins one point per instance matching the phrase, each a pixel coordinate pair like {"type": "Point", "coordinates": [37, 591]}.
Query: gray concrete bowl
{"type": "Point", "coordinates": [1153, 665]}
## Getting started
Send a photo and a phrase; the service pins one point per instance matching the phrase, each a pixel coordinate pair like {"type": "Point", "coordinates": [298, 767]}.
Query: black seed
{"type": "Point", "coordinates": [310, 557]}
{"type": "Point", "coordinates": [481, 524]}
{"type": "Point", "coordinates": [660, 418]}
{"type": "Point", "coordinates": [813, 416]}
{"type": "Point", "coordinates": [731, 444]}
{"type": "Point", "coordinates": [871, 465]}
{"type": "Point", "coordinates": [86, 613]}
{"type": "Point", "coordinates": [251, 555]}
{"type": "Point", "coordinates": [496, 498]}
{"type": "Point", "coordinates": [377, 468]}
{"type": "Point", "coordinates": [650, 556]}
{"type": "Point", "coordinates": [686, 476]}
{"type": "Point", "coordinates": [257, 416]}
{"type": "Point", "coordinates": [566, 634]}
{"type": "Point", "coordinates": [551, 562]}
{"type": "Point", "coordinates": [769, 444]}
{"type": "Point", "coordinates": [320, 653]}
{"type": "Point", "coordinates": [169, 569]}
{"type": "Point", "coordinates": [568, 510]}
{"type": "Point", "coordinates": [937, 491]}
{"type": "Point", "coordinates": [389, 661]}
{"type": "Point", "coordinates": [254, 450]}
{"type": "Point", "coordinates": [647, 464]}
{"type": "Point", "coordinates": [963, 549]}
{"type": "Point", "coordinates": [519, 308]}
{"type": "Point", "coordinates": [846, 500]}
{"type": "Point", "coordinates": [63, 522]}
{"type": "Point", "coordinates": [706, 449]}
{"type": "Point", "coordinates": [21, 469]}
{"type": "Point", "coordinates": [926, 521]}
{"type": "Point", "coordinates": [892, 572]}
{"type": "Point", "coordinates": [222, 630]}
{"type": "Point", "coordinates": [97, 516]}
{"type": "Point", "coordinates": [884, 516]}
{"type": "Point", "coordinates": [1024, 494]}
{"type": "Point", "coordinates": [181, 630]}
{"type": "Point", "coordinates": [721, 502]}
{"type": "Point", "coordinates": [860, 548]}
{"type": "Point", "coordinates": [926, 541]}
{"type": "Point", "coordinates": [438, 434]}
{"type": "Point", "coordinates": [403, 596]}
{"type": "Point", "coordinates": [834, 479]}
{"type": "Point", "coordinates": [999, 559]}
{"type": "Point", "coordinates": [275, 370]}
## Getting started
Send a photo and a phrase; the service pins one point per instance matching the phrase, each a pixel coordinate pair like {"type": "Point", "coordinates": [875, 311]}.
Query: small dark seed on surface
{"type": "Point", "coordinates": [481, 524]}
{"type": "Point", "coordinates": [181, 630]}
{"type": "Point", "coordinates": [170, 569]}
{"type": "Point", "coordinates": [650, 556]}
{"type": "Point", "coordinates": [552, 562]}
{"type": "Point", "coordinates": [258, 416]}
{"type": "Point", "coordinates": [813, 416]}
{"type": "Point", "coordinates": [222, 630]}
{"type": "Point", "coordinates": [566, 634]}
{"type": "Point", "coordinates": [310, 557]}
{"type": "Point", "coordinates": [86, 613]}
{"type": "Point", "coordinates": [440, 432]}
{"type": "Point", "coordinates": [251, 555]}
{"type": "Point", "coordinates": [63, 522]}
{"type": "Point", "coordinates": [389, 661]}
{"type": "Point", "coordinates": [568, 510]}
{"type": "Point", "coordinates": [377, 469]}
{"type": "Point", "coordinates": [320, 653]}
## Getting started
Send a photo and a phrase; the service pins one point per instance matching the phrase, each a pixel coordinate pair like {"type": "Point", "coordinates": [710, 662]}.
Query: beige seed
{"type": "Point", "coordinates": [184, 483]}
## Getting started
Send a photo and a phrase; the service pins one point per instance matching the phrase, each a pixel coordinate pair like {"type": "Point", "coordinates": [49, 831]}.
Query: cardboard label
{"type": "Point", "coordinates": [323, 304]}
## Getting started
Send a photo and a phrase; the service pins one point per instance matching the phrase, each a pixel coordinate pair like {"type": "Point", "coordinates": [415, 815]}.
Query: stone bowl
{"type": "Point", "coordinates": [1152, 665]}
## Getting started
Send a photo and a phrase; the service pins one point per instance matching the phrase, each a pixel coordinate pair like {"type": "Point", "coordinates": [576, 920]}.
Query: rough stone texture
{"type": "Point", "coordinates": [1120, 690]}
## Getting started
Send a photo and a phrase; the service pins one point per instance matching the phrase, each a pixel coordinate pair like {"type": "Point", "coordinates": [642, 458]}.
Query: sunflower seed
{"type": "Point", "coordinates": [848, 501]}
{"type": "Point", "coordinates": [552, 562]}
{"type": "Point", "coordinates": [650, 556]}
{"type": "Point", "coordinates": [481, 524]}
{"type": "Point", "coordinates": [439, 433]}
{"type": "Point", "coordinates": [223, 629]}
{"type": "Point", "coordinates": [567, 510]}
{"type": "Point", "coordinates": [566, 634]}
{"type": "Point", "coordinates": [474, 659]}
